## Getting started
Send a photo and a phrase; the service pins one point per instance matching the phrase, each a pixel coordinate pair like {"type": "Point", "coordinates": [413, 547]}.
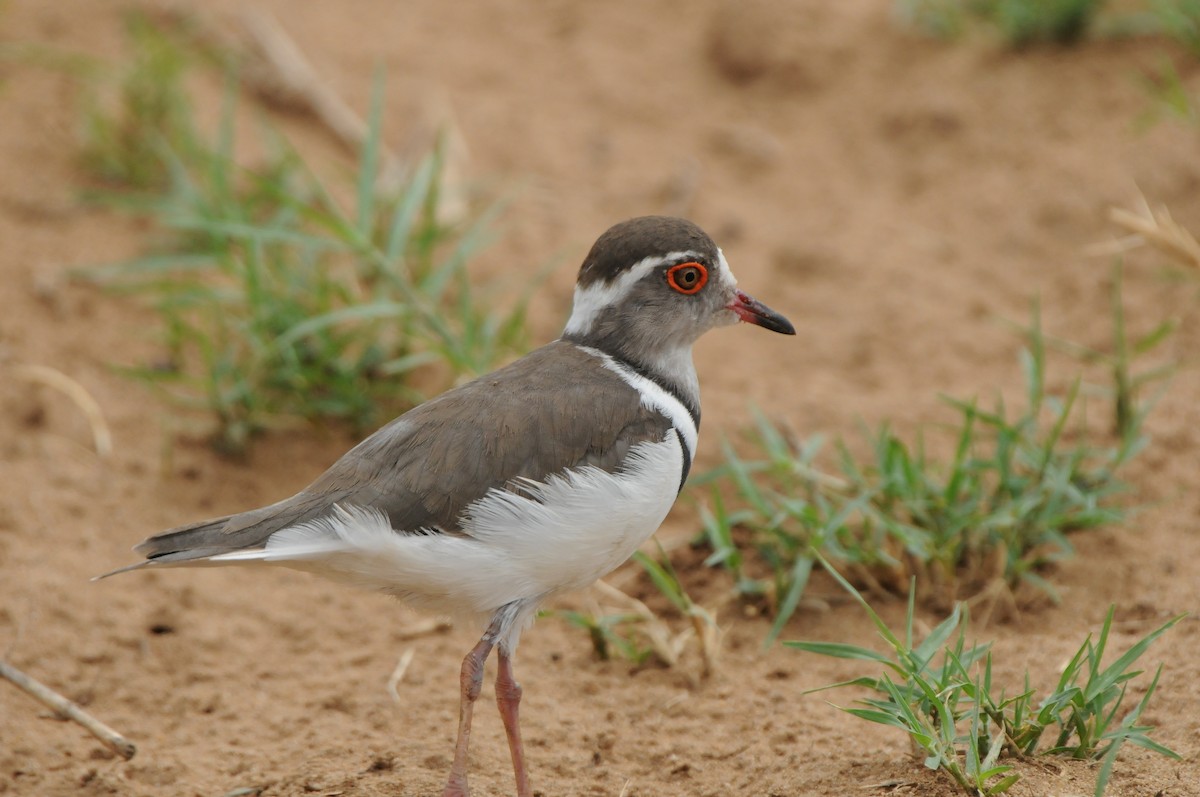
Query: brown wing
{"type": "Point", "coordinates": [555, 409]}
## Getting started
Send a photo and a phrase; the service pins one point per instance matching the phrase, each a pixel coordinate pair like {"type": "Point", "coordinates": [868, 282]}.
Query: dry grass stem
{"type": "Point", "coordinates": [393, 681]}
{"type": "Point", "coordinates": [1155, 226]}
{"type": "Point", "coordinates": [69, 710]}
{"type": "Point", "coordinates": [284, 76]}
{"type": "Point", "coordinates": [424, 627]}
{"type": "Point", "coordinates": [710, 635]}
{"type": "Point", "coordinates": [666, 646]}
{"type": "Point", "coordinates": [50, 377]}
{"type": "Point", "coordinates": [996, 600]}
{"type": "Point", "coordinates": [278, 73]}
{"type": "Point", "coordinates": [890, 785]}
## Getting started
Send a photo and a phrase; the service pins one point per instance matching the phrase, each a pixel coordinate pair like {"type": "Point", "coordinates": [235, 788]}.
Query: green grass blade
{"type": "Point", "coordinates": [368, 170]}
{"type": "Point", "coordinates": [1116, 671]}
{"type": "Point", "coordinates": [839, 650]}
{"type": "Point", "coordinates": [800, 572]}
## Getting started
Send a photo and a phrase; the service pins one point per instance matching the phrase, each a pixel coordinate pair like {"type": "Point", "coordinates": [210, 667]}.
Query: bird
{"type": "Point", "coordinates": [535, 479]}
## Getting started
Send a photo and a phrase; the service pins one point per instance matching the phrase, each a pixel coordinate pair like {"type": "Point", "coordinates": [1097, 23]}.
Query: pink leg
{"type": "Point", "coordinates": [508, 697]}
{"type": "Point", "coordinates": [470, 682]}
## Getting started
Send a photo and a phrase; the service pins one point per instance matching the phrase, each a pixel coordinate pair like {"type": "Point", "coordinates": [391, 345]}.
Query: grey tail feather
{"type": "Point", "coordinates": [193, 541]}
{"type": "Point", "coordinates": [125, 569]}
{"type": "Point", "coordinates": [179, 546]}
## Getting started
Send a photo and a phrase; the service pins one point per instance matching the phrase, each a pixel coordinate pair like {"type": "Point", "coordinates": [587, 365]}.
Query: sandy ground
{"type": "Point", "coordinates": [896, 197]}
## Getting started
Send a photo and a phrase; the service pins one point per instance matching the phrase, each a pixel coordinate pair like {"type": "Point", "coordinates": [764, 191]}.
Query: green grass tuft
{"type": "Point", "coordinates": [1169, 98]}
{"type": "Point", "coordinates": [637, 634]}
{"type": "Point", "coordinates": [1180, 20]}
{"type": "Point", "coordinates": [276, 300]}
{"type": "Point", "coordinates": [990, 519]}
{"type": "Point", "coordinates": [1028, 23]}
{"type": "Point", "coordinates": [966, 725]}
{"type": "Point", "coordinates": [124, 134]}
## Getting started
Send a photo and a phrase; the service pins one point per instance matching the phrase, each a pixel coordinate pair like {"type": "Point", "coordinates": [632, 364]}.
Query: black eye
{"type": "Point", "coordinates": [687, 278]}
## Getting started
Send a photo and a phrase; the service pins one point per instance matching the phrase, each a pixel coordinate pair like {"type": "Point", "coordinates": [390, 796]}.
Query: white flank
{"type": "Point", "coordinates": [589, 302]}
{"type": "Point", "coordinates": [560, 534]}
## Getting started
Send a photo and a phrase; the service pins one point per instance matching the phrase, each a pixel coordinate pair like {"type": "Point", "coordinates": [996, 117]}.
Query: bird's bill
{"type": "Point", "coordinates": [752, 311]}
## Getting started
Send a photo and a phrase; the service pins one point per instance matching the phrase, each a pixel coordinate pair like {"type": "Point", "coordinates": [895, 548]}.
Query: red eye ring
{"type": "Point", "coordinates": [695, 272]}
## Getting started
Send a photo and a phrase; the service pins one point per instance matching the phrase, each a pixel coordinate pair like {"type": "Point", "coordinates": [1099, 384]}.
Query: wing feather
{"type": "Point", "coordinates": [553, 410]}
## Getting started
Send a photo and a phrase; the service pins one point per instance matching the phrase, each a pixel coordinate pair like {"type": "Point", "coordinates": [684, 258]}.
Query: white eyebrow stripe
{"type": "Point", "coordinates": [726, 272]}
{"type": "Point", "coordinates": [589, 302]}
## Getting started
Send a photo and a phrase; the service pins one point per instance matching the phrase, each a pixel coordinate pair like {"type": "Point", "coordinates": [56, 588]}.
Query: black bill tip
{"type": "Point", "coordinates": [752, 311]}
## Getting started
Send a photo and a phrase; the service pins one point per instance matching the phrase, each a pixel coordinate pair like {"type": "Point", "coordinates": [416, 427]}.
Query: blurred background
{"type": "Point", "coordinates": [237, 237]}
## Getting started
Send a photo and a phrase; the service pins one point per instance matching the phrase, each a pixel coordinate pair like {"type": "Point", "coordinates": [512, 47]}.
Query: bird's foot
{"type": "Point", "coordinates": [456, 787]}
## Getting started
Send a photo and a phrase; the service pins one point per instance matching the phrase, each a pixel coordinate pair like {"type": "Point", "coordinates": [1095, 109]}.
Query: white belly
{"type": "Point", "coordinates": [576, 529]}
{"type": "Point", "coordinates": [562, 534]}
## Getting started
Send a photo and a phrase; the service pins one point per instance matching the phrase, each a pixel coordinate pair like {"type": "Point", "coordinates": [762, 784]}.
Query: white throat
{"type": "Point", "coordinates": [676, 366]}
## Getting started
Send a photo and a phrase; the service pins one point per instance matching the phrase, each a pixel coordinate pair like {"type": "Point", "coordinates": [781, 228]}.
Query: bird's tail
{"type": "Point", "coordinates": [197, 544]}
{"type": "Point", "coordinates": [185, 545]}
{"type": "Point", "coordinates": [194, 541]}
